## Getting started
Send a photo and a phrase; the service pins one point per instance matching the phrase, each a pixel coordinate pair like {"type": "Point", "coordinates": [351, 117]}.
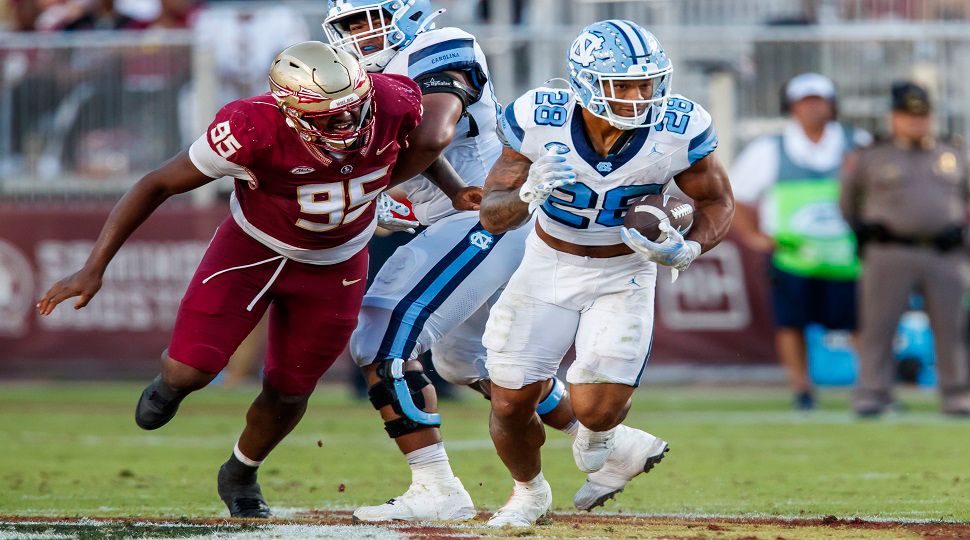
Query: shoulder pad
{"type": "Point", "coordinates": [244, 127]}
{"type": "Point", "coordinates": [441, 50]}
{"type": "Point", "coordinates": [687, 121]}
{"type": "Point", "coordinates": [435, 36]}
{"type": "Point", "coordinates": [389, 87]}
{"type": "Point", "coordinates": [536, 109]}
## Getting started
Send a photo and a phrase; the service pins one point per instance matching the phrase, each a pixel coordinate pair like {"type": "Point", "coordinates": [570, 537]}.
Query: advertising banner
{"type": "Point", "coordinates": [716, 313]}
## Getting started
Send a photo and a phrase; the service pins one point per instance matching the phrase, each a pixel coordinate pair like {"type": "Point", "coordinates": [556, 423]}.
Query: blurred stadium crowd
{"type": "Point", "coordinates": [93, 93]}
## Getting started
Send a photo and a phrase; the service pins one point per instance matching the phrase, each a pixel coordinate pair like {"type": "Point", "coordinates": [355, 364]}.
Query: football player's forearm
{"type": "Point", "coordinates": [426, 143]}
{"type": "Point", "coordinates": [443, 175]}
{"type": "Point", "coordinates": [502, 211]}
{"type": "Point", "coordinates": [126, 216]}
{"type": "Point", "coordinates": [706, 181]}
{"type": "Point", "coordinates": [712, 220]}
{"type": "Point", "coordinates": [177, 175]}
{"type": "Point", "coordinates": [410, 164]}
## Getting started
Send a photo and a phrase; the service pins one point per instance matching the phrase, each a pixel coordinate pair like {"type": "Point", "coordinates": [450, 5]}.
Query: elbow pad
{"type": "Point", "coordinates": [444, 82]}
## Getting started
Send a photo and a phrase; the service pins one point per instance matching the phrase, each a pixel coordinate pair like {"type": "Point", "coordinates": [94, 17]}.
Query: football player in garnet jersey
{"type": "Point", "coordinates": [309, 158]}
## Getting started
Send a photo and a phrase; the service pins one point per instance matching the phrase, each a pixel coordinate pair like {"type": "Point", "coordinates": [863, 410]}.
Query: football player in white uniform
{"type": "Point", "coordinates": [435, 292]}
{"type": "Point", "coordinates": [581, 155]}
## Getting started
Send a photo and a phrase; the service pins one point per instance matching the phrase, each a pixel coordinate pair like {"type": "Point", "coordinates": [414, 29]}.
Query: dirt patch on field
{"type": "Point", "coordinates": [562, 526]}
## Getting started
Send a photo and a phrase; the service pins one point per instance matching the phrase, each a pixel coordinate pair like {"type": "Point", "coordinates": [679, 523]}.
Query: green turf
{"type": "Point", "coordinates": [74, 450]}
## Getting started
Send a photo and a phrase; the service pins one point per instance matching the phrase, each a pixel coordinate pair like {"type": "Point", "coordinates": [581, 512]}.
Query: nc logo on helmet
{"type": "Point", "coordinates": [584, 51]}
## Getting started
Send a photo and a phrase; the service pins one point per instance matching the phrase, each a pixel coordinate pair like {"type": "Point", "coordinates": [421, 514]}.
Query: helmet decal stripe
{"type": "Point", "coordinates": [642, 51]}
{"type": "Point", "coordinates": [626, 38]}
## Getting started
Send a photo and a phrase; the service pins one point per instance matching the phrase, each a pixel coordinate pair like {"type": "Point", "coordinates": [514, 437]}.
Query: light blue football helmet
{"type": "Point", "coordinates": [612, 51]}
{"type": "Point", "coordinates": [397, 22]}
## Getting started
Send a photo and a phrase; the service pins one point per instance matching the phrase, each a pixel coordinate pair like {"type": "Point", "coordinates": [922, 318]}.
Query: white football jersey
{"type": "Point", "coordinates": [470, 154]}
{"type": "Point", "coordinates": [590, 211]}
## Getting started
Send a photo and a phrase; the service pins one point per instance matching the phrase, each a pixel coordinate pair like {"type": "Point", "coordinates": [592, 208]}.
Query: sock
{"type": "Point", "coordinates": [241, 468]}
{"type": "Point", "coordinates": [572, 428]}
{"type": "Point", "coordinates": [531, 484]}
{"type": "Point", "coordinates": [591, 436]}
{"type": "Point", "coordinates": [429, 464]}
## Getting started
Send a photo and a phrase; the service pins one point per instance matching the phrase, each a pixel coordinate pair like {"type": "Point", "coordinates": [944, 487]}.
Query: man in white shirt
{"type": "Point", "coordinates": [786, 186]}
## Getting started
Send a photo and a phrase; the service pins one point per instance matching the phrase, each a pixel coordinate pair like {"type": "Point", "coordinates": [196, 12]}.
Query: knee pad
{"type": "Point", "coordinates": [509, 376]}
{"type": "Point", "coordinates": [552, 400]}
{"type": "Point", "coordinates": [382, 394]}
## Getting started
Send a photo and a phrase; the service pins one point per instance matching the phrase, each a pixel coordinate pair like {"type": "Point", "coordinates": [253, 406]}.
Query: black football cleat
{"type": "Point", "coordinates": [243, 499]}
{"type": "Point", "coordinates": [157, 405]}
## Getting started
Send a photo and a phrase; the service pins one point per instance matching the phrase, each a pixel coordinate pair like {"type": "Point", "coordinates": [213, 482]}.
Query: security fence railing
{"type": "Point", "coordinates": [85, 110]}
{"type": "Point", "coordinates": [89, 113]}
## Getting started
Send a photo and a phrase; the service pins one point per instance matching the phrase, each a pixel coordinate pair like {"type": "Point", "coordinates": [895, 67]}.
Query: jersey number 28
{"type": "Point", "coordinates": [615, 204]}
{"type": "Point", "coordinates": [549, 108]}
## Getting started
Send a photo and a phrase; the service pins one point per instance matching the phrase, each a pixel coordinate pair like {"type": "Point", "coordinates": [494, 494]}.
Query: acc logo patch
{"type": "Point", "coordinates": [585, 48]}
{"type": "Point", "coordinates": [302, 170]}
{"type": "Point", "coordinates": [557, 147]}
{"type": "Point", "coordinates": [482, 240]}
{"type": "Point", "coordinates": [347, 169]}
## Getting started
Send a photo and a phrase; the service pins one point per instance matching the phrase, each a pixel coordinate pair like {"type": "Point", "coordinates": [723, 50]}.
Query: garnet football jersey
{"type": "Point", "coordinates": [295, 198]}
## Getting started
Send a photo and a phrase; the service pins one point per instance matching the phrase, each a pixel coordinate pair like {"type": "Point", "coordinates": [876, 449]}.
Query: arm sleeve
{"type": "Point", "coordinates": [228, 146]}
{"type": "Point", "coordinates": [755, 170]}
{"type": "Point", "coordinates": [703, 137]}
{"type": "Point", "coordinates": [212, 164]}
{"type": "Point", "coordinates": [509, 129]}
{"type": "Point", "coordinates": [517, 126]}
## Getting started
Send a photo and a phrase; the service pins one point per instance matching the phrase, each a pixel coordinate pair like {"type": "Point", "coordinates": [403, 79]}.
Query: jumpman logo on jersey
{"type": "Point", "coordinates": [655, 150]}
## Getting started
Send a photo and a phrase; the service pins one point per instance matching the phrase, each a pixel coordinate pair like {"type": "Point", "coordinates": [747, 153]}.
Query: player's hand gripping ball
{"type": "Point", "coordinates": [655, 226]}
{"type": "Point", "coordinates": [647, 213]}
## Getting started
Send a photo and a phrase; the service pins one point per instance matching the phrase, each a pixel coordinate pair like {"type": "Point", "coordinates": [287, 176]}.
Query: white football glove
{"type": "Point", "coordinates": [385, 205]}
{"type": "Point", "coordinates": [546, 174]}
{"type": "Point", "coordinates": [674, 252]}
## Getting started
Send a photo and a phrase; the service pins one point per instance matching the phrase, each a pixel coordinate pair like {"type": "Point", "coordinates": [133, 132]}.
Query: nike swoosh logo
{"type": "Point", "coordinates": [348, 282]}
{"type": "Point", "coordinates": [381, 151]}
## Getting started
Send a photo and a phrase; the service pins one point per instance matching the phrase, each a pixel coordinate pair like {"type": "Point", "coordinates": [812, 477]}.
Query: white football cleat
{"type": "Point", "coordinates": [591, 449]}
{"type": "Point", "coordinates": [634, 452]}
{"type": "Point", "coordinates": [525, 507]}
{"type": "Point", "coordinates": [446, 501]}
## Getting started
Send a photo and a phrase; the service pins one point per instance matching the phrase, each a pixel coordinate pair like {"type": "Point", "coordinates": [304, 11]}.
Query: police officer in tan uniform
{"type": "Point", "coordinates": [907, 199]}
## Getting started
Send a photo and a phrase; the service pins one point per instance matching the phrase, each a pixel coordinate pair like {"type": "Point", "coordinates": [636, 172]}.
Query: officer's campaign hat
{"type": "Point", "coordinates": [909, 97]}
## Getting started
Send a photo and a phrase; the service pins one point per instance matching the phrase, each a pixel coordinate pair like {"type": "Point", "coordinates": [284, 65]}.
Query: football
{"type": "Point", "coordinates": [648, 212]}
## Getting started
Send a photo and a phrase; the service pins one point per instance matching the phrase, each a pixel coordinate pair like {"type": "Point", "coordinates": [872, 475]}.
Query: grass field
{"type": "Point", "coordinates": [741, 465]}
